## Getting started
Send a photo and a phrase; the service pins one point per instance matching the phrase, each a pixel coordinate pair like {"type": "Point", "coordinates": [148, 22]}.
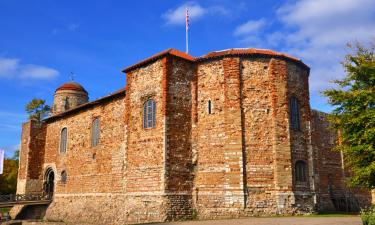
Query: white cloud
{"type": "Point", "coordinates": [8, 67]}
{"type": "Point", "coordinates": [250, 27]}
{"type": "Point", "coordinates": [68, 28]}
{"type": "Point", "coordinates": [73, 26]}
{"type": "Point", "coordinates": [38, 72]}
{"type": "Point", "coordinates": [12, 68]}
{"type": "Point", "coordinates": [320, 31]}
{"type": "Point", "coordinates": [177, 16]}
{"type": "Point", "coordinates": [317, 31]}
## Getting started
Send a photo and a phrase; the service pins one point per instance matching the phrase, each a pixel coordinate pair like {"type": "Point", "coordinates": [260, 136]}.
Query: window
{"type": "Point", "coordinates": [149, 114]}
{"type": "Point", "coordinates": [209, 107]}
{"type": "Point", "coordinates": [63, 140]}
{"type": "Point", "coordinates": [294, 113]}
{"type": "Point", "coordinates": [301, 171]}
{"type": "Point", "coordinates": [63, 176]}
{"type": "Point", "coordinates": [95, 132]}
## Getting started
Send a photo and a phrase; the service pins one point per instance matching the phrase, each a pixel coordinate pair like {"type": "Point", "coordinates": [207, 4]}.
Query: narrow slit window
{"type": "Point", "coordinates": [149, 114]}
{"type": "Point", "coordinates": [95, 132]}
{"type": "Point", "coordinates": [63, 140]}
{"type": "Point", "coordinates": [294, 113]}
{"type": "Point", "coordinates": [64, 176]}
{"type": "Point", "coordinates": [209, 107]}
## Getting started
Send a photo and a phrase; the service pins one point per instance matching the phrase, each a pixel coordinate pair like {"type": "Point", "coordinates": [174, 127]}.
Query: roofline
{"type": "Point", "coordinates": [170, 51]}
{"type": "Point", "coordinates": [86, 105]}
{"type": "Point", "coordinates": [250, 52]}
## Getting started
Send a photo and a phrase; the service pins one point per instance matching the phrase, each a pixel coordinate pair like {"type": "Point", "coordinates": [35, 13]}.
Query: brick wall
{"type": "Point", "coordinates": [179, 166]}
{"type": "Point", "coordinates": [330, 171]}
{"type": "Point", "coordinates": [146, 150]}
{"type": "Point", "coordinates": [237, 160]}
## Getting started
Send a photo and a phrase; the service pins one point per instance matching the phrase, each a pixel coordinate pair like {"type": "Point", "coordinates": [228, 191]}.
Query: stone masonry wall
{"type": "Point", "coordinates": [31, 153]}
{"type": "Point", "coordinates": [68, 99]}
{"type": "Point", "coordinates": [330, 172]}
{"type": "Point", "coordinates": [301, 139]}
{"type": "Point", "coordinates": [91, 171]}
{"type": "Point", "coordinates": [179, 166]}
{"type": "Point", "coordinates": [258, 135]}
{"type": "Point", "coordinates": [146, 149]}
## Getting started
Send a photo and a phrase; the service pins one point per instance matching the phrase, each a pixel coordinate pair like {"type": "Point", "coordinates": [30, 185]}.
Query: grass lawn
{"type": "Point", "coordinates": [332, 214]}
{"type": "Point", "coordinates": [4, 210]}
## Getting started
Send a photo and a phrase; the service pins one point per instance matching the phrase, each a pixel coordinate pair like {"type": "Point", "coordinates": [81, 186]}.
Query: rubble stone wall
{"type": "Point", "coordinates": [145, 171]}
{"type": "Point", "coordinates": [222, 147]}
{"type": "Point", "coordinates": [90, 170]}
{"type": "Point", "coordinates": [330, 171]}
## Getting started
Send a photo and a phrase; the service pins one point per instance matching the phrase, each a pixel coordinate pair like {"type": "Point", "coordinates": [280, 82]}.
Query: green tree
{"type": "Point", "coordinates": [8, 180]}
{"type": "Point", "coordinates": [354, 114]}
{"type": "Point", "coordinates": [37, 109]}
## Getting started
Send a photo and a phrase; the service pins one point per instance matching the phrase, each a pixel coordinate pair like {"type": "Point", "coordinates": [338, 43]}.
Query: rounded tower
{"type": "Point", "coordinates": [68, 96]}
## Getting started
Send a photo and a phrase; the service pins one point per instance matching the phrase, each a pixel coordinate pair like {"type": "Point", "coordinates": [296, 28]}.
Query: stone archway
{"type": "Point", "coordinates": [49, 182]}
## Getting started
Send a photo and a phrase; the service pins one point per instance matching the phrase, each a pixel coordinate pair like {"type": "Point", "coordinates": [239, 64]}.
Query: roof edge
{"type": "Point", "coordinates": [86, 105]}
{"type": "Point", "coordinates": [249, 51]}
{"type": "Point", "coordinates": [170, 51]}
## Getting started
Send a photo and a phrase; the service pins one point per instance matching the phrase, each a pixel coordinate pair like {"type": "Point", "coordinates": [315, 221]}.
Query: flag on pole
{"type": "Point", "coordinates": [187, 19]}
{"type": "Point", "coordinates": [187, 29]}
{"type": "Point", "coordinates": [1, 160]}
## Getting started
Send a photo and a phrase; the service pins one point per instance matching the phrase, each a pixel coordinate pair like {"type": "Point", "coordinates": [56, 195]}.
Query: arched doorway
{"type": "Point", "coordinates": [49, 182]}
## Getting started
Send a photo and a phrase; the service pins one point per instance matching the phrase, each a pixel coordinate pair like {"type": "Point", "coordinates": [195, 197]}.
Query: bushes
{"type": "Point", "coordinates": [368, 216]}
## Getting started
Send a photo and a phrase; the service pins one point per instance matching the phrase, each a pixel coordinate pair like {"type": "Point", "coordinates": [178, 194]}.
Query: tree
{"type": "Point", "coordinates": [37, 109]}
{"type": "Point", "coordinates": [354, 114]}
{"type": "Point", "coordinates": [8, 180]}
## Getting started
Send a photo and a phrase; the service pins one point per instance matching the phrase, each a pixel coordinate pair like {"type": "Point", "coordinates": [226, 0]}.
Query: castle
{"type": "Point", "coordinates": [227, 134]}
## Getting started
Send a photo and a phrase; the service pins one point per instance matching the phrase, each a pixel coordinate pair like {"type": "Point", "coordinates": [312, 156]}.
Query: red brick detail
{"type": "Point", "coordinates": [171, 52]}
{"type": "Point", "coordinates": [250, 51]}
{"type": "Point", "coordinates": [281, 146]}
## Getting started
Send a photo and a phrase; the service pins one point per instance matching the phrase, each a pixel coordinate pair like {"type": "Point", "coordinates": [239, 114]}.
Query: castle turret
{"type": "Point", "coordinates": [68, 96]}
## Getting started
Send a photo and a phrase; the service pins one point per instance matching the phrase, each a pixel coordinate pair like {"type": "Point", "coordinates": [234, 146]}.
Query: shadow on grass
{"type": "Point", "coordinates": [332, 214]}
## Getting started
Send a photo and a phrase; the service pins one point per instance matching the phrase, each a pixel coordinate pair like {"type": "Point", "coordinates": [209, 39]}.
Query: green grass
{"type": "Point", "coordinates": [4, 210]}
{"type": "Point", "coordinates": [331, 214]}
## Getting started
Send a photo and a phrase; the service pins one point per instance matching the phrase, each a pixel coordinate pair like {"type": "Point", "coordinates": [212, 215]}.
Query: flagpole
{"type": "Point", "coordinates": [187, 30]}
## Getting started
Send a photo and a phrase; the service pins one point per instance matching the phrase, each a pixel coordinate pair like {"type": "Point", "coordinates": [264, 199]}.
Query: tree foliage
{"type": "Point", "coordinates": [354, 114]}
{"type": "Point", "coordinates": [8, 180]}
{"type": "Point", "coordinates": [37, 109]}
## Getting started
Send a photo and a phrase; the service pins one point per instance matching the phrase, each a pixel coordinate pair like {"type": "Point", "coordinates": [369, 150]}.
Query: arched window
{"type": "Point", "coordinates": [95, 132]}
{"type": "Point", "coordinates": [294, 113]}
{"type": "Point", "coordinates": [301, 171]}
{"type": "Point", "coordinates": [149, 114]}
{"type": "Point", "coordinates": [63, 140]}
{"type": "Point", "coordinates": [209, 107]}
{"type": "Point", "coordinates": [64, 176]}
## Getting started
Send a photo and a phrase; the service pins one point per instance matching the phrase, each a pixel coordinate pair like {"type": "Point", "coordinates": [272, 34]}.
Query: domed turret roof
{"type": "Point", "coordinates": [71, 86]}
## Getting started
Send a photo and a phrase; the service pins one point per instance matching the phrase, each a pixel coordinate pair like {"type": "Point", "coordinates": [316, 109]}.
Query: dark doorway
{"type": "Point", "coordinates": [49, 183]}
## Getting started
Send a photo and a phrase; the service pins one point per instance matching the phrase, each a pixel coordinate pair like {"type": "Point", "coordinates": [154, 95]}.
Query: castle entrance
{"type": "Point", "coordinates": [49, 182]}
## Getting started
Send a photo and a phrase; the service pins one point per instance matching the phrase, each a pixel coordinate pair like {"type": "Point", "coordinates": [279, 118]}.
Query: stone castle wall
{"type": "Point", "coordinates": [146, 149]}
{"type": "Point", "coordinates": [236, 160]}
{"type": "Point", "coordinates": [68, 99]}
{"type": "Point", "coordinates": [92, 172]}
{"type": "Point", "coordinates": [330, 170]}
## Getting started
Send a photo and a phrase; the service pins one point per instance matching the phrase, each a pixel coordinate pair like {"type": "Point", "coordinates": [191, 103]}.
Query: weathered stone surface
{"type": "Point", "coordinates": [235, 159]}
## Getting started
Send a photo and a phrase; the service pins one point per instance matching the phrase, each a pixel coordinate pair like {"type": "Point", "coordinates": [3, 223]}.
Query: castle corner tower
{"type": "Point", "coordinates": [68, 96]}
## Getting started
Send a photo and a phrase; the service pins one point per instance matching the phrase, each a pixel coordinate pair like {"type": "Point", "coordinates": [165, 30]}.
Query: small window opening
{"type": "Point", "coordinates": [95, 132]}
{"type": "Point", "coordinates": [149, 114]}
{"type": "Point", "coordinates": [209, 107]}
{"type": "Point", "coordinates": [301, 171]}
{"type": "Point", "coordinates": [63, 176]}
{"type": "Point", "coordinates": [63, 140]}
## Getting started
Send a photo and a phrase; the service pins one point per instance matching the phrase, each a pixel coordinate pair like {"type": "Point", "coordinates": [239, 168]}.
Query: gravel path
{"type": "Point", "coordinates": [352, 220]}
{"type": "Point", "coordinates": [347, 220]}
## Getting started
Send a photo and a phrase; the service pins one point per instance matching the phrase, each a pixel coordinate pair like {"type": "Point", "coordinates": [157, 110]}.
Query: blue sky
{"type": "Point", "coordinates": [41, 42]}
